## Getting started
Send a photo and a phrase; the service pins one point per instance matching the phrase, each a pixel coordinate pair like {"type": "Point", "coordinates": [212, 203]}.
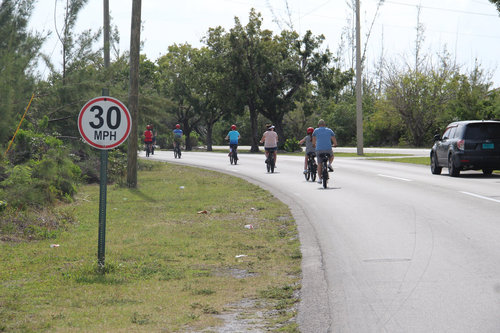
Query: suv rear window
{"type": "Point", "coordinates": [482, 131]}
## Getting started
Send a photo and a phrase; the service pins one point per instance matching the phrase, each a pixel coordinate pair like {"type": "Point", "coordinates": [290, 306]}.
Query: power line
{"type": "Point", "coordinates": [441, 8]}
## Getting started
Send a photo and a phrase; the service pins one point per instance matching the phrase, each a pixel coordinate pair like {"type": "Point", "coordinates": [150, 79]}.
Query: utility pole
{"type": "Point", "coordinates": [133, 97]}
{"type": "Point", "coordinates": [106, 30]}
{"type": "Point", "coordinates": [103, 178]}
{"type": "Point", "coordinates": [359, 104]}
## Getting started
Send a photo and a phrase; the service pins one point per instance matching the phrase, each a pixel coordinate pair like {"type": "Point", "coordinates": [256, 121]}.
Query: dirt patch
{"type": "Point", "coordinates": [244, 316]}
{"type": "Point", "coordinates": [235, 273]}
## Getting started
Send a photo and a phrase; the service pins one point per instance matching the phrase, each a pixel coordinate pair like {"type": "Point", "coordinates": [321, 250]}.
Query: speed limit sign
{"type": "Point", "coordinates": [104, 122]}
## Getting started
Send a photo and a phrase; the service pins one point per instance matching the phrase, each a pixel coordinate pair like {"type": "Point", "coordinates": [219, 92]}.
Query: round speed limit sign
{"type": "Point", "coordinates": [104, 122]}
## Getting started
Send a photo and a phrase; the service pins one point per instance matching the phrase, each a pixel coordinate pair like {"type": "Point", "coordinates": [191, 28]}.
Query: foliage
{"type": "Point", "coordinates": [19, 50]}
{"type": "Point", "coordinates": [292, 145]}
{"type": "Point", "coordinates": [497, 4]}
{"type": "Point", "coordinates": [38, 182]}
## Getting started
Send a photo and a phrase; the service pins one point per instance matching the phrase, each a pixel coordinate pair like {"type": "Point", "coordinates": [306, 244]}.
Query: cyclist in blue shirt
{"type": "Point", "coordinates": [323, 138]}
{"type": "Point", "coordinates": [233, 136]}
{"type": "Point", "coordinates": [177, 135]}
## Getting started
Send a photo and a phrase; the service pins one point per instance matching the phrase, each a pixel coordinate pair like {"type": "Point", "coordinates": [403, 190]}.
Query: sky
{"type": "Point", "coordinates": [468, 29]}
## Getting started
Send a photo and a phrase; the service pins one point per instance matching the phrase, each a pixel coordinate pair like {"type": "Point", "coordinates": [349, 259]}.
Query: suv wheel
{"type": "Point", "coordinates": [452, 168]}
{"type": "Point", "coordinates": [435, 168]}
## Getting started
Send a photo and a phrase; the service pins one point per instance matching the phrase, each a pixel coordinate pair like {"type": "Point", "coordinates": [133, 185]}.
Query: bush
{"type": "Point", "coordinates": [32, 146]}
{"type": "Point", "coordinates": [40, 182]}
{"type": "Point", "coordinates": [292, 145]}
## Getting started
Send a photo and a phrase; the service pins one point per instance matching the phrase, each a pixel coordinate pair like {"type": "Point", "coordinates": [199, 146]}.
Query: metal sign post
{"type": "Point", "coordinates": [104, 123]}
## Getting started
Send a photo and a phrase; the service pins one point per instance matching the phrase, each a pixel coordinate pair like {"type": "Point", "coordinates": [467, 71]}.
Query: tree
{"type": "Point", "coordinates": [19, 49]}
{"type": "Point", "coordinates": [246, 60]}
{"type": "Point", "coordinates": [79, 79]}
{"type": "Point", "coordinates": [178, 82]}
{"type": "Point", "coordinates": [496, 3]}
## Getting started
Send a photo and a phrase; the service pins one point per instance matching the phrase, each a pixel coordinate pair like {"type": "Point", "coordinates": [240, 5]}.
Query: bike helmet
{"type": "Point", "coordinates": [233, 127]}
{"type": "Point", "coordinates": [149, 127]}
{"type": "Point", "coordinates": [310, 130]}
{"type": "Point", "coordinates": [177, 126]}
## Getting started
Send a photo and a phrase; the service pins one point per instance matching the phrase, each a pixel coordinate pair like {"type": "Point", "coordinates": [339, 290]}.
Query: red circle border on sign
{"type": "Point", "coordinates": [98, 99]}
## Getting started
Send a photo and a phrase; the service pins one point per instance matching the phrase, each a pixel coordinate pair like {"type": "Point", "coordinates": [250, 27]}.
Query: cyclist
{"type": "Point", "coordinates": [148, 138]}
{"type": "Point", "coordinates": [323, 138]}
{"type": "Point", "coordinates": [309, 146]}
{"type": "Point", "coordinates": [233, 136]}
{"type": "Point", "coordinates": [177, 136]}
{"type": "Point", "coordinates": [270, 140]}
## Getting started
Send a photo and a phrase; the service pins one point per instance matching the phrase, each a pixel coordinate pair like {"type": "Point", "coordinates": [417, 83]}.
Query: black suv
{"type": "Point", "coordinates": [467, 145]}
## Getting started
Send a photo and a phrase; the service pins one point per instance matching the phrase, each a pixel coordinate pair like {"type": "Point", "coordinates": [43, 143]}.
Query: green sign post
{"type": "Point", "coordinates": [104, 123]}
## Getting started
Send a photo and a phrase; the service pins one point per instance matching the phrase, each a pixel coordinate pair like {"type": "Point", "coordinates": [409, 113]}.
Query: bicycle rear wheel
{"type": "Point", "coordinates": [271, 162]}
{"type": "Point", "coordinates": [324, 172]}
{"type": "Point", "coordinates": [231, 158]}
{"type": "Point", "coordinates": [235, 157]}
{"type": "Point", "coordinates": [147, 150]}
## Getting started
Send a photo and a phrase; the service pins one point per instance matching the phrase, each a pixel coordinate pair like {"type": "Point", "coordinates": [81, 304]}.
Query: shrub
{"type": "Point", "coordinates": [292, 145]}
{"type": "Point", "coordinates": [41, 182]}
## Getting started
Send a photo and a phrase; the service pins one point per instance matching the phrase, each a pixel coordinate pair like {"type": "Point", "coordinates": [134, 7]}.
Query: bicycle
{"type": "Point", "coordinates": [324, 168]}
{"type": "Point", "coordinates": [312, 168]}
{"type": "Point", "coordinates": [148, 148]}
{"type": "Point", "coordinates": [270, 162]}
{"type": "Point", "coordinates": [177, 151]}
{"type": "Point", "coordinates": [233, 154]}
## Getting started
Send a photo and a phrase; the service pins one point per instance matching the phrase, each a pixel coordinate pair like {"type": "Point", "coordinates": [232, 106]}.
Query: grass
{"type": "Point", "coordinates": [424, 160]}
{"type": "Point", "coordinates": [168, 267]}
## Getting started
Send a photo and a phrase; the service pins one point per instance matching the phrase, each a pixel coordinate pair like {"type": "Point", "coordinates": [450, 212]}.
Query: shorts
{"type": "Point", "coordinates": [148, 142]}
{"type": "Point", "coordinates": [271, 149]}
{"type": "Point", "coordinates": [319, 152]}
{"type": "Point", "coordinates": [233, 146]}
{"type": "Point", "coordinates": [311, 153]}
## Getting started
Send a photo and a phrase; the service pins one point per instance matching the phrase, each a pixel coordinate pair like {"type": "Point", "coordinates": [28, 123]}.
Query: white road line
{"type": "Point", "coordinates": [480, 196]}
{"type": "Point", "coordinates": [398, 178]}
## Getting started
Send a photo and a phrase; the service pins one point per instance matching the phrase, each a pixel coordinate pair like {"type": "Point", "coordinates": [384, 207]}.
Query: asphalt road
{"type": "Point", "coordinates": [388, 247]}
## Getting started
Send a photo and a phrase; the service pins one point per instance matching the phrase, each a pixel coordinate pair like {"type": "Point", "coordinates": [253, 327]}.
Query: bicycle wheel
{"type": "Point", "coordinates": [324, 172]}
{"type": "Point", "coordinates": [235, 157]}
{"type": "Point", "coordinates": [175, 152]}
{"type": "Point", "coordinates": [147, 150]}
{"type": "Point", "coordinates": [308, 174]}
{"type": "Point", "coordinates": [179, 153]}
{"type": "Point", "coordinates": [271, 162]}
{"type": "Point", "coordinates": [231, 158]}
{"type": "Point", "coordinates": [268, 165]}
{"type": "Point", "coordinates": [313, 176]}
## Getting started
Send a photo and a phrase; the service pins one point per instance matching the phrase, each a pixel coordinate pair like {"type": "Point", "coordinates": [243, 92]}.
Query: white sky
{"type": "Point", "coordinates": [469, 29]}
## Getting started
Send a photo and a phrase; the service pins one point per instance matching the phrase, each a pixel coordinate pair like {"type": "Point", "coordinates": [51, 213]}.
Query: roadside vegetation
{"type": "Point", "coordinates": [185, 247]}
{"type": "Point", "coordinates": [424, 160]}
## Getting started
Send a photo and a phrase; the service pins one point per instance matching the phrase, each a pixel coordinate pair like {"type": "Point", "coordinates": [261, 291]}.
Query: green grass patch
{"type": "Point", "coordinates": [424, 160]}
{"type": "Point", "coordinates": [168, 267]}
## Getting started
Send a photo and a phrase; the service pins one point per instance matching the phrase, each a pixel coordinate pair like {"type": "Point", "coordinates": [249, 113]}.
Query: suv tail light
{"type": "Point", "coordinates": [461, 144]}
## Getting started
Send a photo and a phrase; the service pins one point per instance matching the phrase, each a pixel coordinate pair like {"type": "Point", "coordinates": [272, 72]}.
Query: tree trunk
{"type": "Point", "coordinates": [281, 134]}
{"type": "Point", "coordinates": [187, 134]}
{"type": "Point", "coordinates": [135, 41]}
{"type": "Point", "coordinates": [253, 126]}
{"type": "Point", "coordinates": [210, 127]}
